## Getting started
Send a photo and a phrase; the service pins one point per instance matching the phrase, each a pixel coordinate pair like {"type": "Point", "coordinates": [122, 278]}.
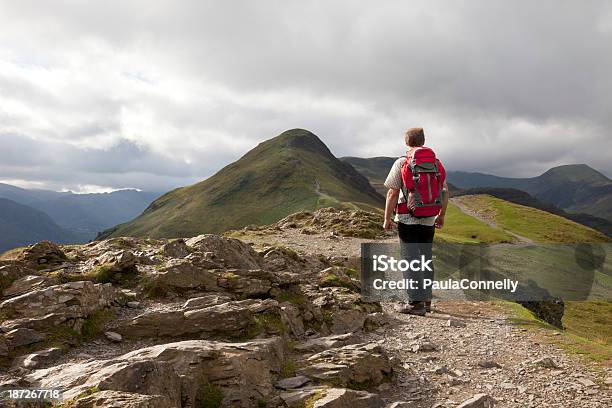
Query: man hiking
{"type": "Point", "coordinates": [418, 195]}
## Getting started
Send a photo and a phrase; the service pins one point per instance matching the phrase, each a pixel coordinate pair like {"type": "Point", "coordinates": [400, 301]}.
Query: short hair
{"type": "Point", "coordinates": [415, 137]}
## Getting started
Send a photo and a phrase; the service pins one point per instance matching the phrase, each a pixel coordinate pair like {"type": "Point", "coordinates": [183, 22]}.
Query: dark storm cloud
{"type": "Point", "coordinates": [155, 94]}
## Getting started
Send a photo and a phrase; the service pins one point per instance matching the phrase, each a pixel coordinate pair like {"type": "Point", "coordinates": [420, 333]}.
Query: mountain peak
{"type": "Point", "coordinates": [576, 172]}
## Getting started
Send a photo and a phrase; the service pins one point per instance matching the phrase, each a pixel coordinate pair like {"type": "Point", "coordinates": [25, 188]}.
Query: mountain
{"type": "Point", "coordinates": [375, 169]}
{"type": "Point", "coordinates": [575, 188]}
{"type": "Point", "coordinates": [21, 225]}
{"type": "Point", "coordinates": [292, 172]}
{"type": "Point", "coordinates": [84, 215]}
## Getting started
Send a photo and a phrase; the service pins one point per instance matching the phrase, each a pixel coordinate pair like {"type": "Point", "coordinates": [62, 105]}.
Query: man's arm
{"type": "Point", "coordinates": [440, 217]}
{"type": "Point", "coordinates": [390, 204]}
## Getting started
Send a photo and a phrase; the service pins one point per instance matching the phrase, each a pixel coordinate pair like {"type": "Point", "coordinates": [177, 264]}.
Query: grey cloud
{"type": "Point", "coordinates": [174, 92]}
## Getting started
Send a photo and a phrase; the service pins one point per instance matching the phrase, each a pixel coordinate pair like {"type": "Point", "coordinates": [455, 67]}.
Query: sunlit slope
{"type": "Point", "coordinates": [292, 172]}
{"type": "Point", "coordinates": [534, 224]}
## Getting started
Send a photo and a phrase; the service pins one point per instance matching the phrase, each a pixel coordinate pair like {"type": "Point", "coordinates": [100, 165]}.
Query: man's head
{"type": "Point", "coordinates": [415, 137]}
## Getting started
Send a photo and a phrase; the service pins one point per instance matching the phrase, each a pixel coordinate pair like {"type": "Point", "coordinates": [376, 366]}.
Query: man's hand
{"type": "Point", "coordinates": [439, 221]}
{"type": "Point", "coordinates": [388, 224]}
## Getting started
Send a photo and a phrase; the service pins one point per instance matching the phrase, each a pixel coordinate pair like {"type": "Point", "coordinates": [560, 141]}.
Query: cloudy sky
{"type": "Point", "coordinates": [158, 94]}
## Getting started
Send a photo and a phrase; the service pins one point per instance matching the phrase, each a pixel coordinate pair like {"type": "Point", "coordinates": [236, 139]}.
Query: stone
{"type": "Point", "coordinates": [229, 252]}
{"type": "Point", "coordinates": [118, 261]}
{"type": "Point", "coordinates": [586, 382]}
{"type": "Point", "coordinates": [176, 248]}
{"type": "Point", "coordinates": [43, 253]}
{"type": "Point", "coordinates": [243, 372]}
{"type": "Point", "coordinates": [25, 284]}
{"type": "Point", "coordinates": [364, 363]}
{"type": "Point", "coordinates": [347, 398]}
{"type": "Point", "coordinates": [546, 362]}
{"type": "Point", "coordinates": [133, 304]}
{"type": "Point", "coordinates": [488, 364]}
{"type": "Point", "coordinates": [113, 336]}
{"type": "Point", "coordinates": [205, 301]}
{"type": "Point", "coordinates": [121, 399]}
{"type": "Point", "coordinates": [38, 358]}
{"type": "Point", "coordinates": [478, 401]}
{"type": "Point", "coordinates": [292, 382]}
{"type": "Point", "coordinates": [183, 274]}
{"type": "Point", "coordinates": [69, 300]}
{"type": "Point", "coordinates": [290, 316]}
{"type": "Point", "coordinates": [551, 311]}
{"type": "Point", "coordinates": [455, 323]}
{"type": "Point", "coordinates": [23, 337]}
{"type": "Point", "coordinates": [327, 342]}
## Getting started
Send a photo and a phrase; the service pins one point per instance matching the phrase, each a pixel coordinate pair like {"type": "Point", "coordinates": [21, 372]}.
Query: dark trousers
{"type": "Point", "coordinates": [415, 241]}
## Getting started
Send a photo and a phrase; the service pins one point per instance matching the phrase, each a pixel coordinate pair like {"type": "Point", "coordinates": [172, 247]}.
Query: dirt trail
{"type": "Point", "coordinates": [488, 220]}
{"type": "Point", "coordinates": [479, 333]}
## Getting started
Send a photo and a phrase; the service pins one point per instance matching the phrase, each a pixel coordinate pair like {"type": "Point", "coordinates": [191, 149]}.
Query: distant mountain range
{"type": "Point", "coordinates": [65, 216]}
{"type": "Point", "coordinates": [292, 172]}
{"type": "Point", "coordinates": [575, 188]}
{"type": "Point", "coordinates": [22, 225]}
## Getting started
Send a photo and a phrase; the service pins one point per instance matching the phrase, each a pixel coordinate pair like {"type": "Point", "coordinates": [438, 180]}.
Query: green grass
{"type": "Point", "coordinates": [588, 328]}
{"type": "Point", "coordinates": [462, 228]}
{"type": "Point", "coordinates": [277, 178]}
{"type": "Point", "coordinates": [537, 225]}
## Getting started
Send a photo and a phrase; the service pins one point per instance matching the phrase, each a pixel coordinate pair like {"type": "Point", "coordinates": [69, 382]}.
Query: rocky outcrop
{"type": "Point", "coordinates": [181, 373]}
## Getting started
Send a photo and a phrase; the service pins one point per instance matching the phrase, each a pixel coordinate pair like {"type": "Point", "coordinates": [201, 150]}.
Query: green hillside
{"type": "Point", "coordinates": [292, 172]}
{"type": "Point", "coordinates": [534, 224]}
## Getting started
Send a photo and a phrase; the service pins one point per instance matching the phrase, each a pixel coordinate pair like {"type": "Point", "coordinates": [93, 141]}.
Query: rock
{"type": "Point", "coordinates": [112, 336]}
{"type": "Point", "coordinates": [26, 284]}
{"type": "Point", "coordinates": [242, 372]}
{"type": "Point", "coordinates": [364, 363]}
{"type": "Point", "coordinates": [116, 261]}
{"type": "Point", "coordinates": [478, 401]}
{"type": "Point", "coordinates": [402, 404]}
{"type": "Point", "coordinates": [74, 299]}
{"type": "Point", "coordinates": [43, 253]}
{"type": "Point", "coordinates": [231, 319]}
{"type": "Point", "coordinates": [38, 358]}
{"type": "Point", "coordinates": [292, 382]}
{"type": "Point", "coordinates": [546, 362]}
{"type": "Point", "coordinates": [290, 315]}
{"type": "Point", "coordinates": [22, 337]}
{"type": "Point", "coordinates": [488, 364]}
{"type": "Point", "coordinates": [322, 397]}
{"type": "Point", "coordinates": [133, 304]}
{"type": "Point", "coordinates": [608, 381]}
{"type": "Point", "coordinates": [246, 283]}
{"type": "Point", "coordinates": [586, 382]}
{"type": "Point", "coordinates": [229, 252]}
{"type": "Point", "coordinates": [339, 277]}
{"type": "Point", "coordinates": [182, 274]}
{"type": "Point", "coordinates": [551, 311]}
{"type": "Point", "coordinates": [346, 398]}
{"type": "Point", "coordinates": [205, 301]}
{"type": "Point", "coordinates": [325, 343]}
{"type": "Point", "coordinates": [455, 323]}
{"type": "Point", "coordinates": [424, 347]}
{"type": "Point", "coordinates": [176, 249]}
{"type": "Point", "coordinates": [119, 399]}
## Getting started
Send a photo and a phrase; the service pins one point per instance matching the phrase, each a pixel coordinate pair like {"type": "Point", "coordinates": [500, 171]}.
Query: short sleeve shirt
{"type": "Point", "coordinates": [394, 181]}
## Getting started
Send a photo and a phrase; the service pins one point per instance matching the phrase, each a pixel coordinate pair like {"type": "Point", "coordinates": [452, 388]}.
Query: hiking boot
{"type": "Point", "coordinates": [428, 306]}
{"type": "Point", "coordinates": [412, 308]}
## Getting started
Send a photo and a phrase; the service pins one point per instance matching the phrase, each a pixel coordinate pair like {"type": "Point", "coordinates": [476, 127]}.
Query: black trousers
{"type": "Point", "coordinates": [417, 241]}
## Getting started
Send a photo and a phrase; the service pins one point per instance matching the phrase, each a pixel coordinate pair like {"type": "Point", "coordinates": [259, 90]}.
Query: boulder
{"type": "Point", "coordinates": [26, 284]}
{"type": "Point", "coordinates": [38, 359]}
{"type": "Point", "coordinates": [242, 372]}
{"type": "Point", "coordinates": [43, 253]}
{"type": "Point", "coordinates": [22, 337]}
{"type": "Point", "coordinates": [69, 300]}
{"type": "Point", "coordinates": [183, 274]}
{"type": "Point", "coordinates": [324, 343]}
{"type": "Point", "coordinates": [176, 248]}
{"type": "Point", "coordinates": [228, 252]}
{"type": "Point", "coordinates": [246, 283]}
{"type": "Point", "coordinates": [362, 364]}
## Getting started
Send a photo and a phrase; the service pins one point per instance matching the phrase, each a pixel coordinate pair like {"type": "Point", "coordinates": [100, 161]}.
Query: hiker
{"type": "Point", "coordinates": [418, 195]}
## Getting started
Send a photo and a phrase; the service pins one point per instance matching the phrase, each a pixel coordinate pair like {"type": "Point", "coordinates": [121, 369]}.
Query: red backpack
{"type": "Point", "coordinates": [422, 175]}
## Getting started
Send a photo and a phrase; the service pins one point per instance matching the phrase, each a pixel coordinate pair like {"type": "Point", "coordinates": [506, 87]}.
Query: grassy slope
{"type": "Point", "coordinates": [532, 223]}
{"type": "Point", "coordinates": [588, 324]}
{"type": "Point", "coordinates": [461, 228]}
{"type": "Point", "coordinates": [287, 174]}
